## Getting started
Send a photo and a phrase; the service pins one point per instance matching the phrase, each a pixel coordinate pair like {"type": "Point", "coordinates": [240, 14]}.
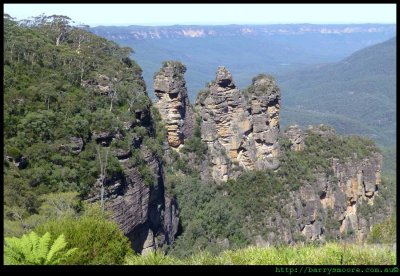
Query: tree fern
{"type": "Point", "coordinates": [32, 249]}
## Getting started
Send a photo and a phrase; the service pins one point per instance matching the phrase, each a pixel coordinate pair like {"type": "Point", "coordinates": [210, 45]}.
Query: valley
{"type": "Point", "coordinates": [158, 155]}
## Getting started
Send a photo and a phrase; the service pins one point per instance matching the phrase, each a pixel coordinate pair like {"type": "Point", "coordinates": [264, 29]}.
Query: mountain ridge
{"type": "Point", "coordinates": [361, 87]}
{"type": "Point", "coordinates": [175, 31]}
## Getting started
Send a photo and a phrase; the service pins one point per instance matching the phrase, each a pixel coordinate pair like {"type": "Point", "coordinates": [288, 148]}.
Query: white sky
{"type": "Point", "coordinates": [213, 14]}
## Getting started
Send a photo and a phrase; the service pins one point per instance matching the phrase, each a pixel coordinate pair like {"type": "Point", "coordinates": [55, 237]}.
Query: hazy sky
{"type": "Point", "coordinates": [170, 14]}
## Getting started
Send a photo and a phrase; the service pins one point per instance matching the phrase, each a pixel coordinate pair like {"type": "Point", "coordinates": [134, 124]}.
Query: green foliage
{"type": "Point", "coordinates": [152, 258]}
{"type": "Point", "coordinates": [32, 249]}
{"type": "Point", "coordinates": [207, 216]}
{"type": "Point", "coordinates": [52, 206]}
{"type": "Point", "coordinates": [62, 82]}
{"type": "Point", "coordinates": [320, 150]}
{"type": "Point", "coordinates": [384, 232]}
{"type": "Point", "coordinates": [327, 254]}
{"type": "Point", "coordinates": [146, 173]}
{"type": "Point", "coordinates": [331, 226]}
{"type": "Point", "coordinates": [57, 205]}
{"type": "Point", "coordinates": [100, 240]}
{"type": "Point", "coordinates": [343, 93]}
{"type": "Point", "coordinates": [210, 214]}
{"type": "Point", "coordinates": [296, 168]}
{"type": "Point", "coordinates": [195, 144]}
{"type": "Point", "coordinates": [13, 152]}
{"type": "Point", "coordinates": [37, 126]}
{"type": "Point", "coordinates": [261, 76]}
{"type": "Point", "coordinates": [178, 67]}
{"type": "Point", "coordinates": [103, 120]}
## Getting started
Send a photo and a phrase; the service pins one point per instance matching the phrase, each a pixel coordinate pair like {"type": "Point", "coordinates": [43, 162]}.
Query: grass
{"type": "Point", "coordinates": [328, 254]}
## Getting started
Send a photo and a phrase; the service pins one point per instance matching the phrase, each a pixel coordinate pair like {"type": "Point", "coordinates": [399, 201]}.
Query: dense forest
{"type": "Point", "coordinates": [55, 103]}
{"type": "Point", "coordinates": [78, 120]}
{"type": "Point", "coordinates": [355, 95]}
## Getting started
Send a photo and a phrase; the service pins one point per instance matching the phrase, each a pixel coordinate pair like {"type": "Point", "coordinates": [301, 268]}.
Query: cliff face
{"type": "Point", "coordinates": [147, 215]}
{"type": "Point", "coordinates": [173, 103]}
{"type": "Point", "coordinates": [296, 137]}
{"type": "Point", "coordinates": [330, 204]}
{"type": "Point", "coordinates": [240, 129]}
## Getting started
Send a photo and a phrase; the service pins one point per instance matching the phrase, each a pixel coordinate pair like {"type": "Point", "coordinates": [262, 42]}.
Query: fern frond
{"type": "Point", "coordinates": [12, 252]}
{"type": "Point", "coordinates": [64, 256]}
{"type": "Point", "coordinates": [32, 249]}
{"type": "Point", "coordinates": [33, 257]}
{"type": "Point", "coordinates": [43, 247]}
{"type": "Point", "coordinates": [25, 247]}
{"type": "Point", "coordinates": [57, 246]}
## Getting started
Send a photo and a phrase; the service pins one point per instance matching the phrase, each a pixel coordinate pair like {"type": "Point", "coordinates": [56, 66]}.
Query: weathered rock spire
{"type": "Point", "coordinates": [173, 103]}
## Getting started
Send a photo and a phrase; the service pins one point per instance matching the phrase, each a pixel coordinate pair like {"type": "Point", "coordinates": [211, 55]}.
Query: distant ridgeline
{"type": "Point", "coordinates": [356, 95]}
{"type": "Point", "coordinates": [245, 49]}
{"type": "Point", "coordinates": [79, 128]}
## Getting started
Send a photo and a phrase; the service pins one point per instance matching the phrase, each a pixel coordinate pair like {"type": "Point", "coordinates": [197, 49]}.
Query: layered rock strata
{"type": "Point", "coordinates": [173, 102]}
{"type": "Point", "coordinates": [334, 199]}
{"type": "Point", "coordinates": [146, 215]}
{"type": "Point", "coordinates": [240, 128]}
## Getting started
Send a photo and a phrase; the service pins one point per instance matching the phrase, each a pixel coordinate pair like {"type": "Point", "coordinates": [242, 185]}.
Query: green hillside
{"type": "Point", "coordinates": [51, 112]}
{"type": "Point", "coordinates": [356, 95]}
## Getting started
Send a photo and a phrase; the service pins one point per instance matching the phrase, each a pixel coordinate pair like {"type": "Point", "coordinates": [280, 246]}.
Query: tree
{"type": "Point", "coordinates": [59, 25]}
{"type": "Point", "coordinates": [56, 205]}
{"type": "Point", "coordinates": [32, 249]}
{"type": "Point", "coordinates": [103, 172]}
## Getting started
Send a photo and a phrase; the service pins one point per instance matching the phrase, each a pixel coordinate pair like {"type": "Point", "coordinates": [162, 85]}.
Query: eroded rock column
{"type": "Point", "coordinates": [173, 103]}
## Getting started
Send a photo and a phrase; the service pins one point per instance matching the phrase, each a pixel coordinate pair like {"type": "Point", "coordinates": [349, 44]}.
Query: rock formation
{"type": "Point", "coordinates": [146, 215]}
{"type": "Point", "coordinates": [296, 137]}
{"type": "Point", "coordinates": [173, 102]}
{"type": "Point", "coordinates": [335, 198]}
{"type": "Point", "coordinates": [240, 128]}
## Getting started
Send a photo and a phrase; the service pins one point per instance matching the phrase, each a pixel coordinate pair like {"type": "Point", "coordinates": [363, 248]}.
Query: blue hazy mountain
{"type": "Point", "coordinates": [246, 50]}
{"type": "Point", "coordinates": [356, 95]}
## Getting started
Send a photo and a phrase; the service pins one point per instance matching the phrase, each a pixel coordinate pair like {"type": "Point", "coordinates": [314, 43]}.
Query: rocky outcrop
{"type": "Point", "coordinates": [330, 204]}
{"type": "Point", "coordinates": [359, 182]}
{"type": "Point", "coordinates": [20, 162]}
{"type": "Point", "coordinates": [322, 130]}
{"type": "Point", "coordinates": [146, 215]}
{"type": "Point", "coordinates": [240, 128]}
{"type": "Point", "coordinates": [296, 138]}
{"type": "Point", "coordinates": [173, 102]}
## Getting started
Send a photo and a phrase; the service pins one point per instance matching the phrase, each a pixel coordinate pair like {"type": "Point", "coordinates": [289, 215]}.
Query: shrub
{"type": "Point", "coordinates": [100, 241]}
{"type": "Point", "coordinates": [384, 232]}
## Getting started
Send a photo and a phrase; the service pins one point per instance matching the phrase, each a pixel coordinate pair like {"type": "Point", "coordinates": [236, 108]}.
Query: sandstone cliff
{"type": "Point", "coordinates": [240, 128]}
{"type": "Point", "coordinates": [329, 205]}
{"type": "Point", "coordinates": [146, 214]}
{"type": "Point", "coordinates": [173, 102]}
